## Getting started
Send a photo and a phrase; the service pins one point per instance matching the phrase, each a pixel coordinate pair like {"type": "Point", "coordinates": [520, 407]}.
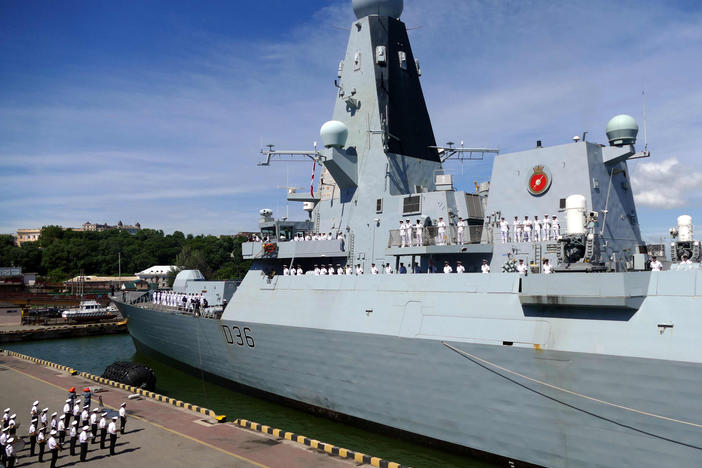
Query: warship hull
{"type": "Point", "coordinates": [489, 374]}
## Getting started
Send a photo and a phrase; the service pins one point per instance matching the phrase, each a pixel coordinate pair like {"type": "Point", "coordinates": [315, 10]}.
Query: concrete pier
{"type": "Point", "coordinates": [157, 434]}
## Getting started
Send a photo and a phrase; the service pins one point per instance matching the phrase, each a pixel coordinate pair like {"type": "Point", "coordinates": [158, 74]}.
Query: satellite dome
{"type": "Point", "coordinates": [334, 134]}
{"type": "Point", "coordinates": [622, 130]}
{"type": "Point", "coordinates": [184, 276]}
{"type": "Point", "coordinates": [364, 8]}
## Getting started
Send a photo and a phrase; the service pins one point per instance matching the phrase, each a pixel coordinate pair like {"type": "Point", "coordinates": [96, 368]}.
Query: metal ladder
{"type": "Point", "coordinates": [350, 258]}
{"type": "Point", "coordinates": [537, 255]}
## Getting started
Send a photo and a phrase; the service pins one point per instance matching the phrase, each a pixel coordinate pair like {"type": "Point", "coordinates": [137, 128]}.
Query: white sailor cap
{"type": "Point", "coordinates": [74, 423]}
{"type": "Point", "coordinates": [7, 410]}
{"type": "Point", "coordinates": [114, 418]}
{"type": "Point", "coordinates": [45, 410]}
{"type": "Point", "coordinates": [53, 432]}
{"type": "Point", "coordinates": [63, 416]}
{"type": "Point", "coordinates": [54, 414]}
{"type": "Point", "coordinates": [122, 405]}
{"type": "Point", "coordinates": [104, 414]}
{"type": "Point", "coordinates": [85, 428]}
{"type": "Point", "coordinates": [86, 406]}
{"type": "Point", "coordinates": [34, 420]}
{"type": "Point", "coordinates": [35, 403]}
{"type": "Point", "coordinates": [10, 440]}
{"type": "Point", "coordinates": [68, 401]}
{"type": "Point", "coordinates": [95, 410]}
{"type": "Point", "coordinates": [13, 416]}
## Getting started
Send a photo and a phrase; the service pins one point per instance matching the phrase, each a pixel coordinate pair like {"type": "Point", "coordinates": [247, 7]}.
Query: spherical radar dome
{"type": "Point", "coordinates": [364, 8]}
{"type": "Point", "coordinates": [622, 130]}
{"type": "Point", "coordinates": [334, 134]}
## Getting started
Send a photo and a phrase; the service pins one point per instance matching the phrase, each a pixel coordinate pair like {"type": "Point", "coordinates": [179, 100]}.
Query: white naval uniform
{"type": "Point", "coordinates": [460, 269]}
{"type": "Point", "coordinates": [374, 270]}
{"type": "Point", "coordinates": [460, 231]}
{"type": "Point", "coordinates": [522, 269]}
{"type": "Point", "coordinates": [418, 231]}
{"type": "Point", "coordinates": [359, 270]}
{"type": "Point", "coordinates": [656, 265]}
{"type": "Point", "coordinates": [441, 225]}
{"type": "Point", "coordinates": [546, 233]}
{"type": "Point", "coordinates": [317, 272]}
{"type": "Point", "coordinates": [485, 268]}
{"type": "Point", "coordinates": [537, 230]}
{"type": "Point", "coordinates": [388, 270]}
{"type": "Point", "coordinates": [555, 228]}
{"type": "Point", "coordinates": [323, 271]}
{"type": "Point", "coordinates": [517, 236]}
{"type": "Point", "coordinates": [527, 229]}
{"type": "Point", "coordinates": [504, 231]}
{"type": "Point", "coordinates": [340, 271]}
{"type": "Point", "coordinates": [403, 235]}
{"type": "Point", "coordinates": [547, 268]}
{"type": "Point", "coordinates": [286, 271]}
{"type": "Point", "coordinates": [300, 272]}
{"type": "Point", "coordinates": [448, 269]}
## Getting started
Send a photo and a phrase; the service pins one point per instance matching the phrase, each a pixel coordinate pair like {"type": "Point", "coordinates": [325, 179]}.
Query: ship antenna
{"type": "Point", "coordinates": [643, 104]}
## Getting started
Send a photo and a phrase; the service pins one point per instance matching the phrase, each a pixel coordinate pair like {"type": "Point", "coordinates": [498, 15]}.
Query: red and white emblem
{"type": "Point", "coordinates": [539, 180]}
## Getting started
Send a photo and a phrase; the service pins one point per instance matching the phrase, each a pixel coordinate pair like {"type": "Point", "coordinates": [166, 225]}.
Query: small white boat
{"type": "Point", "coordinates": [88, 310]}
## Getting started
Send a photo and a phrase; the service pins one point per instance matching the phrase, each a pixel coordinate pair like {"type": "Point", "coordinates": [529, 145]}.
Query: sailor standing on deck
{"type": "Point", "coordinates": [441, 229]}
{"type": "Point", "coordinates": [286, 271]}
{"type": "Point", "coordinates": [555, 228]}
{"type": "Point", "coordinates": [537, 229]}
{"type": "Point", "coordinates": [546, 235]}
{"type": "Point", "coordinates": [655, 264]}
{"type": "Point", "coordinates": [388, 269]}
{"type": "Point", "coordinates": [323, 270]}
{"type": "Point", "coordinates": [522, 268]}
{"type": "Point", "coordinates": [527, 229]}
{"type": "Point", "coordinates": [122, 417]}
{"type": "Point", "coordinates": [403, 234]}
{"type": "Point", "coordinates": [485, 268]}
{"type": "Point", "coordinates": [299, 270]}
{"type": "Point", "coordinates": [103, 429]}
{"type": "Point", "coordinates": [504, 230]}
{"type": "Point", "coordinates": [459, 267]}
{"type": "Point", "coordinates": [83, 439]}
{"type": "Point", "coordinates": [112, 430]}
{"type": "Point", "coordinates": [359, 269]}
{"type": "Point", "coordinates": [460, 230]}
{"type": "Point", "coordinates": [547, 268]}
{"type": "Point", "coordinates": [374, 270]}
{"type": "Point", "coordinates": [517, 230]}
{"type": "Point", "coordinates": [72, 436]}
{"type": "Point", "coordinates": [447, 268]}
{"type": "Point", "coordinates": [418, 231]}
{"type": "Point", "coordinates": [317, 271]}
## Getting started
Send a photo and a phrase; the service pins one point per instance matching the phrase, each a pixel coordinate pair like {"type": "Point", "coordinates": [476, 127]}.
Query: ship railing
{"type": "Point", "coordinates": [430, 236]}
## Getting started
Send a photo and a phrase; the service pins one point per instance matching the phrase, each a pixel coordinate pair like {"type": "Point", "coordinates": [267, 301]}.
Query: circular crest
{"type": "Point", "coordinates": [539, 180]}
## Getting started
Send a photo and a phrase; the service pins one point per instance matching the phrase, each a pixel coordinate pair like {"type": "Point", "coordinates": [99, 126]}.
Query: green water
{"type": "Point", "coordinates": [93, 354]}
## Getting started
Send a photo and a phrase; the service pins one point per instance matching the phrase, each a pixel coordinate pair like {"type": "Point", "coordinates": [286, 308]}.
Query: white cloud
{"type": "Point", "coordinates": [666, 184]}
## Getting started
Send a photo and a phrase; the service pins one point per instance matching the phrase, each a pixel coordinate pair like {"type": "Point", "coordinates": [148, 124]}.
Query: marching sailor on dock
{"type": "Point", "coordinates": [76, 409]}
{"type": "Point", "coordinates": [6, 418]}
{"type": "Point", "coordinates": [41, 440]}
{"type": "Point", "coordinates": [53, 448]}
{"type": "Point", "coordinates": [34, 412]}
{"type": "Point", "coordinates": [3, 444]}
{"type": "Point", "coordinates": [61, 428]}
{"type": "Point", "coordinates": [43, 419]}
{"type": "Point", "coordinates": [67, 411]}
{"type": "Point", "coordinates": [94, 424]}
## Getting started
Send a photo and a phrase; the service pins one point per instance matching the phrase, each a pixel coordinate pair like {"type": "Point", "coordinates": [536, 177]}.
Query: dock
{"type": "Point", "coordinates": [161, 432]}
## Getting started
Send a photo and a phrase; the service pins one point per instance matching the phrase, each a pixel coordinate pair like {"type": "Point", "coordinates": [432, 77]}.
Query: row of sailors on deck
{"type": "Point", "coordinates": [388, 269]}
{"type": "Point", "coordinates": [527, 230]}
{"type": "Point", "coordinates": [189, 301]}
{"type": "Point", "coordinates": [313, 236]}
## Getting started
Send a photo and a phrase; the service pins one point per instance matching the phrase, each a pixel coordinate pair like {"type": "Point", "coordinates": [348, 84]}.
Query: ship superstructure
{"type": "Point", "coordinates": [596, 364]}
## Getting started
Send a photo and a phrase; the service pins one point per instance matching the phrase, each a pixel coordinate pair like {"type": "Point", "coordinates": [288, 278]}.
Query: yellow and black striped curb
{"type": "Point", "coordinates": [42, 362]}
{"type": "Point", "coordinates": [129, 388]}
{"type": "Point", "coordinates": [328, 448]}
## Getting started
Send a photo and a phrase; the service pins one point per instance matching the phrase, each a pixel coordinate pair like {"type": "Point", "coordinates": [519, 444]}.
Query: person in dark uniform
{"type": "Point", "coordinates": [83, 439]}
{"type": "Point", "coordinates": [112, 430]}
{"type": "Point", "coordinates": [86, 397]}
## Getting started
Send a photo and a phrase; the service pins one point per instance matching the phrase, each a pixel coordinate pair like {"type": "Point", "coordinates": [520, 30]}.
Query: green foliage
{"type": "Point", "coordinates": [60, 254]}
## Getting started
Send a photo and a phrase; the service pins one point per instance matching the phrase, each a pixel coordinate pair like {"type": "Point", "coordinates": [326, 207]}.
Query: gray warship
{"type": "Point", "coordinates": [597, 364]}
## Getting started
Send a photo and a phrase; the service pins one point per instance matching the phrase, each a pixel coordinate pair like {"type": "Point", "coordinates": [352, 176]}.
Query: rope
{"type": "Point", "coordinates": [486, 364]}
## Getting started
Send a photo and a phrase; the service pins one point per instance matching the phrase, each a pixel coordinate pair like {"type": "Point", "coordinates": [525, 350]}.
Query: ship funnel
{"type": "Point", "coordinates": [622, 130]}
{"type": "Point", "coordinates": [364, 8]}
{"type": "Point", "coordinates": [334, 134]}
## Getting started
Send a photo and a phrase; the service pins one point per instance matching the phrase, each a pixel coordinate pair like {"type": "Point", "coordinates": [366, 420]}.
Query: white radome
{"type": "Point", "coordinates": [364, 8]}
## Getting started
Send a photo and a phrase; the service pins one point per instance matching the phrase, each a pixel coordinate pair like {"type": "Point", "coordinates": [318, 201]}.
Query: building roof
{"type": "Point", "coordinates": [100, 279]}
{"type": "Point", "coordinates": [157, 270]}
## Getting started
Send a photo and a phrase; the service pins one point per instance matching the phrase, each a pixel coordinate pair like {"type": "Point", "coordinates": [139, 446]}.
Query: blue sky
{"type": "Point", "coordinates": [154, 111]}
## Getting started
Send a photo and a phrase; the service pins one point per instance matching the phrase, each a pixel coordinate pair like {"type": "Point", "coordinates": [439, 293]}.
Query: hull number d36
{"type": "Point", "coordinates": [235, 335]}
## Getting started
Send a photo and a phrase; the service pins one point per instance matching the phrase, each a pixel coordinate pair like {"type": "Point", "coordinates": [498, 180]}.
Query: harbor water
{"type": "Point", "coordinates": [94, 354]}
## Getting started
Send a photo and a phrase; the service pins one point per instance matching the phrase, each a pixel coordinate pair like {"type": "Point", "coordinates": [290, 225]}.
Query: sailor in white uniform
{"type": "Point", "coordinates": [655, 264]}
{"type": "Point", "coordinates": [517, 230]}
{"type": "Point", "coordinates": [83, 439]}
{"type": "Point", "coordinates": [485, 268]}
{"type": "Point", "coordinates": [460, 226]}
{"type": "Point", "coordinates": [537, 229]}
{"type": "Point", "coordinates": [53, 446]}
{"type": "Point", "coordinates": [286, 271]}
{"type": "Point", "coordinates": [546, 234]}
{"type": "Point", "coordinates": [522, 268]}
{"type": "Point", "coordinates": [504, 230]}
{"type": "Point", "coordinates": [447, 268]}
{"type": "Point", "coordinates": [555, 228]}
{"type": "Point", "coordinates": [685, 260]}
{"type": "Point", "coordinates": [547, 268]}
{"type": "Point", "coordinates": [459, 267]}
{"type": "Point", "coordinates": [359, 269]}
{"type": "Point", "coordinates": [374, 269]}
{"type": "Point", "coordinates": [441, 230]}
{"type": "Point", "coordinates": [339, 270]}
{"type": "Point", "coordinates": [403, 234]}
{"type": "Point", "coordinates": [331, 269]}
{"type": "Point", "coordinates": [293, 271]}
{"type": "Point", "coordinates": [388, 269]}
{"type": "Point", "coordinates": [418, 231]}
{"type": "Point", "coordinates": [348, 270]}
{"type": "Point", "coordinates": [299, 270]}
{"type": "Point", "coordinates": [9, 454]}
{"type": "Point", "coordinates": [323, 271]}
{"type": "Point", "coordinates": [527, 229]}
{"type": "Point", "coordinates": [112, 430]}
{"type": "Point", "coordinates": [317, 270]}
